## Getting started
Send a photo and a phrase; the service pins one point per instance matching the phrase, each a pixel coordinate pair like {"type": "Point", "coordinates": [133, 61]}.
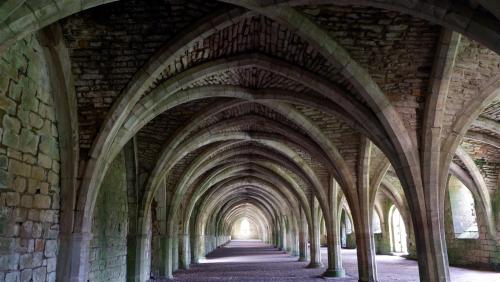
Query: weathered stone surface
{"type": "Point", "coordinates": [50, 248]}
{"type": "Point", "coordinates": [109, 244]}
{"type": "Point", "coordinates": [26, 275]}
{"type": "Point", "coordinates": [41, 202]}
{"type": "Point", "coordinates": [26, 114]}
{"type": "Point", "coordinates": [39, 274]}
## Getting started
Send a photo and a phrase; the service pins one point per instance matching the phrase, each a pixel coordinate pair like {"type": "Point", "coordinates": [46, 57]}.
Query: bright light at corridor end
{"type": "Point", "coordinates": [244, 229]}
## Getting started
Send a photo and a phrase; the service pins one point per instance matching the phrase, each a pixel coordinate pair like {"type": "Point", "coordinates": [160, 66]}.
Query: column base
{"type": "Point", "coordinates": [332, 273]}
{"type": "Point", "coordinates": [315, 265]}
{"type": "Point", "coordinates": [302, 259]}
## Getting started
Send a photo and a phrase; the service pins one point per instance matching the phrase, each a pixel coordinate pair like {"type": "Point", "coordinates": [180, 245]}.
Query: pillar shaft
{"type": "Point", "coordinates": [335, 268]}
{"type": "Point", "coordinates": [136, 261]}
{"type": "Point", "coordinates": [302, 237]}
{"type": "Point", "coordinates": [166, 257]}
{"type": "Point", "coordinates": [185, 255]}
{"type": "Point", "coordinates": [367, 266]}
{"type": "Point", "coordinates": [73, 260]}
{"type": "Point", "coordinates": [175, 253]}
{"type": "Point", "coordinates": [314, 238]}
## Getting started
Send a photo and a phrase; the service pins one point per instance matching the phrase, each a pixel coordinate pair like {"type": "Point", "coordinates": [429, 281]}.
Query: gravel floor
{"type": "Point", "coordinates": [255, 261]}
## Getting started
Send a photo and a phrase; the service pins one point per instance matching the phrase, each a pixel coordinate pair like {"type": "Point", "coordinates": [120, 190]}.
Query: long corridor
{"type": "Point", "coordinates": [252, 260]}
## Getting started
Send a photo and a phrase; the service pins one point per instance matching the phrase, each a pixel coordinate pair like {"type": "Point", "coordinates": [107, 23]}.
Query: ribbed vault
{"type": "Point", "coordinates": [294, 115]}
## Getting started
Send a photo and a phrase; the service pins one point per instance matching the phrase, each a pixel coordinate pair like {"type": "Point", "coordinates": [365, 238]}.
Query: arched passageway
{"type": "Point", "coordinates": [398, 231]}
{"type": "Point", "coordinates": [140, 138]}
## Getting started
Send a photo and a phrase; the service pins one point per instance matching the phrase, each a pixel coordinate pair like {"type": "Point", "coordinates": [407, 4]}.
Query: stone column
{"type": "Point", "coordinates": [136, 268]}
{"type": "Point", "coordinates": [199, 249]}
{"type": "Point", "coordinates": [166, 257]}
{"type": "Point", "coordinates": [184, 254]}
{"type": "Point", "coordinates": [365, 243]}
{"type": "Point", "coordinates": [73, 261]}
{"type": "Point", "coordinates": [302, 236]}
{"type": "Point", "coordinates": [383, 242]}
{"type": "Point", "coordinates": [283, 235]}
{"type": "Point", "coordinates": [366, 250]}
{"type": "Point", "coordinates": [175, 253]}
{"type": "Point", "coordinates": [314, 237]}
{"type": "Point", "coordinates": [335, 268]}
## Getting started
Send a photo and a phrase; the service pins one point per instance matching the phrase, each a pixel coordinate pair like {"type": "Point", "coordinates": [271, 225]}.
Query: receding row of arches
{"type": "Point", "coordinates": [138, 136]}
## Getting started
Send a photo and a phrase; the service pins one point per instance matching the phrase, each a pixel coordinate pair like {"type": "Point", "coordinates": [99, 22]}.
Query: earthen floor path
{"type": "Point", "coordinates": [256, 261]}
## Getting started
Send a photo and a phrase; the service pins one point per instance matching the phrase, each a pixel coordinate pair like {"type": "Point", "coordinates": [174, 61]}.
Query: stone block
{"type": "Point", "coordinates": [44, 160]}
{"type": "Point", "coordinates": [10, 138]}
{"type": "Point", "coordinates": [7, 246]}
{"type": "Point", "coordinates": [50, 248]}
{"type": "Point", "coordinates": [12, 277]}
{"type": "Point", "coordinates": [39, 245]}
{"type": "Point", "coordinates": [24, 116]}
{"type": "Point", "coordinates": [34, 215]}
{"type": "Point", "coordinates": [20, 214]}
{"type": "Point", "coordinates": [37, 259]}
{"type": "Point", "coordinates": [26, 201]}
{"type": "Point", "coordinates": [51, 277]}
{"type": "Point", "coordinates": [41, 201]}
{"type": "Point", "coordinates": [53, 178]}
{"type": "Point", "coordinates": [48, 216]}
{"type": "Point", "coordinates": [44, 188]}
{"type": "Point", "coordinates": [9, 262]}
{"type": "Point", "coordinates": [15, 91]}
{"type": "Point", "coordinates": [33, 186]}
{"type": "Point", "coordinates": [11, 123]}
{"type": "Point", "coordinates": [3, 161]}
{"type": "Point", "coordinates": [28, 158]}
{"type": "Point", "coordinates": [51, 264]}
{"type": "Point", "coordinates": [13, 153]}
{"type": "Point", "coordinates": [37, 230]}
{"type": "Point", "coordinates": [26, 261]}
{"type": "Point", "coordinates": [12, 199]}
{"type": "Point", "coordinates": [19, 184]}
{"type": "Point", "coordinates": [7, 105]}
{"type": "Point", "coordinates": [26, 275]}
{"type": "Point", "coordinates": [52, 232]}
{"type": "Point", "coordinates": [49, 146]}
{"type": "Point", "coordinates": [56, 167]}
{"type": "Point", "coordinates": [38, 173]}
{"type": "Point", "coordinates": [26, 229]}
{"type": "Point", "coordinates": [46, 130]}
{"type": "Point", "coordinates": [29, 102]}
{"type": "Point", "coordinates": [5, 179]}
{"type": "Point", "coordinates": [19, 168]}
{"type": "Point", "coordinates": [29, 141]}
{"type": "Point", "coordinates": [39, 274]}
{"type": "Point", "coordinates": [35, 120]}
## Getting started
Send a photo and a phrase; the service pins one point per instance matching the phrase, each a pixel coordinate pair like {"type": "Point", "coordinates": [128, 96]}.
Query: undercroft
{"type": "Point", "coordinates": [139, 138]}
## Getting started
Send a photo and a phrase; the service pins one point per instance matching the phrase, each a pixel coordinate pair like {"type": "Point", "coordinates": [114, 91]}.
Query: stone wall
{"type": "Point", "coordinates": [29, 166]}
{"type": "Point", "coordinates": [481, 252]}
{"type": "Point", "coordinates": [108, 253]}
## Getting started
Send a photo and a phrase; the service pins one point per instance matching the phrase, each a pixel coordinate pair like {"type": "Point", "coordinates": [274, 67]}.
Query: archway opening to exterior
{"type": "Point", "coordinates": [376, 227]}
{"type": "Point", "coordinates": [245, 229]}
{"type": "Point", "coordinates": [398, 232]}
{"type": "Point", "coordinates": [462, 210]}
{"type": "Point", "coordinates": [347, 239]}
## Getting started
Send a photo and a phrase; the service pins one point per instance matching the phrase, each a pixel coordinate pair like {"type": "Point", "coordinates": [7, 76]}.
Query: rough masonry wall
{"type": "Point", "coordinates": [29, 166]}
{"type": "Point", "coordinates": [108, 247]}
{"type": "Point", "coordinates": [480, 252]}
